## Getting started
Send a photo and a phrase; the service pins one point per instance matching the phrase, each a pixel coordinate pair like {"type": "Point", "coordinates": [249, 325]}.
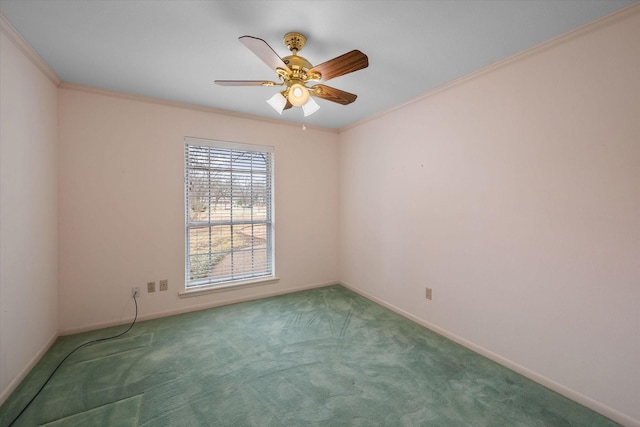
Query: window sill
{"type": "Point", "coordinates": [204, 290]}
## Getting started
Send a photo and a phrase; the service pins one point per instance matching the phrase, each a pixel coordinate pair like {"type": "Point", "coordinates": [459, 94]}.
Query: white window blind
{"type": "Point", "coordinates": [229, 212]}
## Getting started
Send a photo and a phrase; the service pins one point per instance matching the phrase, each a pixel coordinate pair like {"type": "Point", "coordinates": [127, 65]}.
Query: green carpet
{"type": "Point", "coordinates": [324, 357]}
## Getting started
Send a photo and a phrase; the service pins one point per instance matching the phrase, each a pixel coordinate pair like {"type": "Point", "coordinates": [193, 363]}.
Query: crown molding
{"type": "Point", "coordinates": [183, 105]}
{"type": "Point", "coordinates": [618, 15]}
{"type": "Point", "coordinates": [12, 34]}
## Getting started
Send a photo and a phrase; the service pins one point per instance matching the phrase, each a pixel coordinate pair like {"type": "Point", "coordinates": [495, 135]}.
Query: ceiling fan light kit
{"type": "Point", "coordinates": [277, 102]}
{"type": "Point", "coordinates": [295, 72]}
{"type": "Point", "coordinates": [310, 107]}
{"type": "Point", "coordinates": [298, 95]}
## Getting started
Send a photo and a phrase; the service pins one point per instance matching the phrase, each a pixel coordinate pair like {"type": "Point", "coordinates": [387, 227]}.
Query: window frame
{"type": "Point", "coordinates": [210, 283]}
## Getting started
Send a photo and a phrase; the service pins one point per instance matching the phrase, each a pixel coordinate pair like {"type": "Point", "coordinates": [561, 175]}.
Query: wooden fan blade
{"type": "Point", "coordinates": [341, 65]}
{"type": "Point", "coordinates": [333, 94]}
{"type": "Point", "coordinates": [244, 83]}
{"type": "Point", "coordinates": [263, 51]}
{"type": "Point", "coordinates": [287, 105]}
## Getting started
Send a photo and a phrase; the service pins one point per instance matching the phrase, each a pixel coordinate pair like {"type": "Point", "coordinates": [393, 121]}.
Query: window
{"type": "Point", "coordinates": [229, 212]}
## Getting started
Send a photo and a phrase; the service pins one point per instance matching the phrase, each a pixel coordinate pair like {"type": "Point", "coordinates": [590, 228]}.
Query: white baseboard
{"type": "Point", "coordinates": [590, 403]}
{"type": "Point", "coordinates": [211, 304]}
{"type": "Point", "coordinates": [22, 374]}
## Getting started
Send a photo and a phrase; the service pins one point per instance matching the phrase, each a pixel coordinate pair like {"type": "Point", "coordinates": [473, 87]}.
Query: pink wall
{"type": "Point", "coordinates": [121, 202]}
{"type": "Point", "coordinates": [515, 194]}
{"type": "Point", "coordinates": [28, 211]}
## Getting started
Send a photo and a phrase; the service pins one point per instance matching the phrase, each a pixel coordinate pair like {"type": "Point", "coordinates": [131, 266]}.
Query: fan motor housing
{"type": "Point", "coordinates": [297, 62]}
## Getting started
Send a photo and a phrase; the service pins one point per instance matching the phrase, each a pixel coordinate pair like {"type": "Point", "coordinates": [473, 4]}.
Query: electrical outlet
{"type": "Point", "coordinates": [427, 293]}
{"type": "Point", "coordinates": [151, 287]}
{"type": "Point", "coordinates": [135, 292]}
{"type": "Point", "coordinates": [164, 285]}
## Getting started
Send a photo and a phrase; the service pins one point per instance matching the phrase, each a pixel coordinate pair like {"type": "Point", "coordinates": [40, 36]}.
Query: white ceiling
{"type": "Point", "coordinates": [174, 50]}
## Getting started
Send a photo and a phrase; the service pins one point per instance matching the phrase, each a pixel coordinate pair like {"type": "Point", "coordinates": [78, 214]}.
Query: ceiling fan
{"type": "Point", "coordinates": [295, 72]}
